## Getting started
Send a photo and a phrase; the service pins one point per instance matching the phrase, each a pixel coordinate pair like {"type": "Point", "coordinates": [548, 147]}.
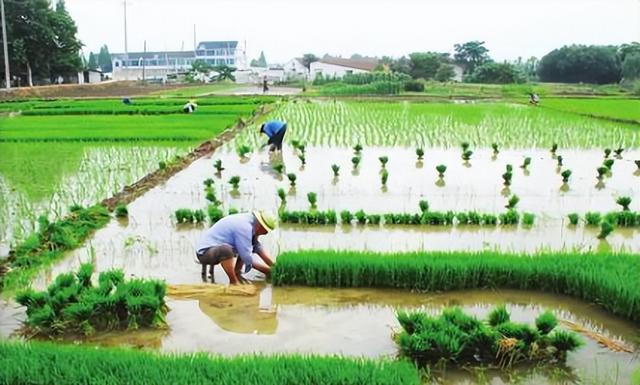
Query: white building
{"type": "Point", "coordinates": [150, 65]}
{"type": "Point", "coordinates": [338, 67]}
{"type": "Point", "coordinates": [294, 69]}
{"type": "Point", "coordinates": [459, 72]}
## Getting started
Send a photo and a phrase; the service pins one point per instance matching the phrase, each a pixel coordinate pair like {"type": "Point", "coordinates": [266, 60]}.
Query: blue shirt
{"type": "Point", "coordinates": [272, 127]}
{"type": "Point", "coordinates": [237, 231]}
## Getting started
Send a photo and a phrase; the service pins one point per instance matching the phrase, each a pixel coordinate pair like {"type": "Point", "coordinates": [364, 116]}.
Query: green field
{"type": "Point", "coordinates": [625, 109]}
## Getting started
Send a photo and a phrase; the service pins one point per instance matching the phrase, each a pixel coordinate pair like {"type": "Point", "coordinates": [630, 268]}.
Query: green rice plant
{"type": "Point", "coordinates": [462, 218]}
{"type": "Point", "coordinates": [278, 168]}
{"type": "Point", "coordinates": [302, 148]}
{"type": "Point", "coordinates": [608, 163]}
{"type": "Point", "coordinates": [57, 364]}
{"type": "Point", "coordinates": [624, 201]}
{"type": "Point", "coordinates": [611, 280]}
{"type": "Point", "coordinates": [607, 152]}
{"type": "Point", "coordinates": [303, 159]}
{"type": "Point", "coordinates": [355, 161]}
{"type": "Point", "coordinates": [336, 170]}
{"type": "Point", "coordinates": [420, 153]}
{"type": "Point", "coordinates": [441, 168]}
{"type": "Point", "coordinates": [282, 195]}
{"type": "Point", "coordinates": [554, 148]}
{"type": "Point", "coordinates": [218, 166]}
{"type": "Point", "coordinates": [313, 199]}
{"type": "Point", "coordinates": [214, 213]}
{"type": "Point", "coordinates": [546, 322]}
{"type": "Point", "coordinates": [292, 179]}
{"type": "Point", "coordinates": [374, 219]}
{"type": "Point", "coordinates": [466, 156]}
{"type": "Point", "coordinates": [498, 316]}
{"type": "Point", "coordinates": [210, 195]}
{"type": "Point", "coordinates": [496, 149]}
{"type": "Point", "coordinates": [618, 151]}
{"type": "Point", "coordinates": [208, 182]}
{"type": "Point", "coordinates": [602, 171]}
{"type": "Point", "coordinates": [465, 146]}
{"type": "Point", "coordinates": [526, 163]}
{"type": "Point", "coordinates": [574, 218]}
{"type": "Point", "coordinates": [121, 211]}
{"type": "Point", "coordinates": [512, 202]}
{"type": "Point", "coordinates": [509, 168]}
{"type": "Point", "coordinates": [295, 143]}
{"type": "Point", "coordinates": [606, 228]}
{"type": "Point", "coordinates": [565, 175]}
{"type": "Point", "coordinates": [384, 176]}
{"type": "Point", "coordinates": [71, 304]}
{"type": "Point", "coordinates": [637, 162]}
{"type": "Point", "coordinates": [592, 218]}
{"type": "Point", "coordinates": [162, 165]}
{"type": "Point", "coordinates": [511, 217]}
{"type": "Point", "coordinates": [383, 161]}
{"type": "Point", "coordinates": [506, 177]}
{"type": "Point", "coordinates": [346, 217]}
{"type": "Point", "coordinates": [243, 150]}
{"type": "Point", "coordinates": [489, 219]}
{"type": "Point", "coordinates": [559, 160]}
{"type": "Point", "coordinates": [424, 205]}
{"type": "Point", "coordinates": [232, 210]}
{"type": "Point", "coordinates": [565, 341]}
{"type": "Point", "coordinates": [198, 216]}
{"type": "Point", "coordinates": [234, 181]}
{"type": "Point", "coordinates": [528, 219]}
{"type": "Point", "coordinates": [474, 218]}
{"type": "Point", "coordinates": [357, 149]}
{"type": "Point", "coordinates": [361, 217]}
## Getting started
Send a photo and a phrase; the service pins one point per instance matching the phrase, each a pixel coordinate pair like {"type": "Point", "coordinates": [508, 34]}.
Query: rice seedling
{"type": "Point", "coordinates": [574, 218]}
{"type": "Point", "coordinates": [243, 150]}
{"type": "Point", "coordinates": [611, 280]}
{"type": "Point", "coordinates": [624, 201]}
{"type": "Point", "coordinates": [607, 152]}
{"type": "Point", "coordinates": [295, 143]}
{"type": "Point", "coordinates": [355, 161]}
{"type": "Point", "coordinates": [292, 179]}
{"type": "Point", "coordinates": [618, 151]}
{"type": "Point", "coordinates": [608, 163]}
{"type": "Point", "coordinates": [208, 182]}
{"type": "Point", "coordinates": [565, 175]}
{"type": "Point", "coordinates": [283, 196]}
{"type": "Point", "coordinates": [361, 217]}
{"type": "Point", "coordinates": [528, 219]}
{"type": "Point", "coordinates": [303, 159]}
{"type": "Point", "coordinates": [498, 316]}
{"type": "Point", "coordinates": [466, 156]}
{"type": "Point", "coordinates": [214, 213]}
{"type": "Point", "coordinates": [336, 170]}
{"type": "Point", "coordinates": [465, 146]}
{"type": "Point", "coordinates": [162, 165]}
{"type": "Point", "coordinates": [554, 148]}
{"type": "Point", "coordinates": [346, 217]}
{"type": "Point", "coordinates": [189, 216]}
{"type": "Point", "coordinates": [509, 168]}
{"type": "Point", "coordinates": [420, 153]}
{"type": "Point", "coordinates": [592, 218]}
{"type": "Point", "coordinates": [384, 176]}
{"type": "Point", "coordinates": [606, 228]}
{"type": "Point", "coordinates": [506, 177]}
{"type": "Point", "coordinates": [424, 206]}
{"type": "Point", "coordinates": [72, 304]}
{"type": "Point", "coordinates": [232, 210]}
{"type": "Point", "coordinates": [559, 159]}
{"type": "Point", "coordinates": [56, 364]}
{"type": "Point", "coordinates": [313, 199]}
{"type": "Point", "coordinates": [513, 202]}
{"type": "Point", "coordinates": [509, 218]}
{"type": "Point", "coordinates": [374, 219]}
{"type": "Point", "coordinates": [234, 181]}
{"type": "Point", "coordinates": [278, 168]}
{"type": "Point", "coordinates": [496, 149]}
{"type": "Point", "coordinates": [489, 219]}
{"type": "Point", "coordinates": [383, 161]}
{"type": "Point", "coordinates": [302, 148]}
{"type": "Point", "coordinates": [218, 166]}
{"type": "Point", "coordinates": [121, 211]}
{"type": "Point", "coordinates": [441, 168]}
{"type": "Point", "coordinates": [526, 163]}
{"type": "Point", "coordinates": [357, 149]}
{"type": "Point", "coordinates": [637, 162]}
{"type": "Point", "coordinates": [210, 195]}
{"type": "Point", "coordinates": [602, 171]}
{"type": "Point", "coordinates": [313, 217]}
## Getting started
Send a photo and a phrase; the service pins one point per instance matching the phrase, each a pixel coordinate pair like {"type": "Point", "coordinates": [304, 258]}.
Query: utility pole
{"type": "Point", "coordinates": [144, 60]}
{"type": "Point", "coordinates": [4, 44]}
{"type": "Point", "coordinates": [194, 38]}
{"type": "Point", "coordinates": [126, 51]}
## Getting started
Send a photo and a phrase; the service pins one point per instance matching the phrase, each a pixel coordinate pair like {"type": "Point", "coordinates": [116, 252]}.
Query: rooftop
{"type": "Point", "coordinates": [367, 64]}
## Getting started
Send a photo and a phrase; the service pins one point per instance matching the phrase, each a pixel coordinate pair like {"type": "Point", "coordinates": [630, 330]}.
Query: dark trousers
{"type": "Point", "coordinates": [213, 256]}
{"type": "Point", "coordinates": [276, 140]}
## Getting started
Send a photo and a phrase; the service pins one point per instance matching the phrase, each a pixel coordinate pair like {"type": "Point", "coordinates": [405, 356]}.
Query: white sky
{"type": "Point", "coordinates": [288, 28]}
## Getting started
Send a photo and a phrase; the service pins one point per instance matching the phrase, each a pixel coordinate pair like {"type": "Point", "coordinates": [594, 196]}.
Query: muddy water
{"type": "Point", "coordinates": [360, 323]}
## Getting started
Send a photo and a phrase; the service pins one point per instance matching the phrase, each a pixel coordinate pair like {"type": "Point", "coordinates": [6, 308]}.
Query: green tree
{"type": "Point", "coordinates": [471, 54]}
{"type": "Point", "coordinates": [93, 61]}
{"type": "Point", "coordinates": [104, 59]}
{"type": "Point", "coordinates": [425, 64]}
{"type": "Point", "coordinates": [631, 67]}
{"type": "Point", "coordinates": [496, 73]}
{"type": "Point", "coordinates": [445, 72]}
{"type": "Point", "coordinates": [224, 73]}
{"type": "Point", "coordinates": [65, 56]}
{"type": "Point", "coordinates": [581, 63]}
{"type": "Point", "coordinates": [260, 62]}
{"type": "Point", "coordinates": [628, 49]}
{"type": "Point", "coordinates": [309, 58]}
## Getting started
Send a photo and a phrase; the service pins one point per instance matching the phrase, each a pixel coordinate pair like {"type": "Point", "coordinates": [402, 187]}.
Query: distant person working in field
{"type": "Point", "coordinates": [232, 241]}
{"type": "Point", "coordinates": [275, 130]}
{"type": "Point", "coordinates": [265, 85]}
{"type": "Point", "coordinates": [189, 107]}
{"type": "Point", "coordinates": [534, 99]}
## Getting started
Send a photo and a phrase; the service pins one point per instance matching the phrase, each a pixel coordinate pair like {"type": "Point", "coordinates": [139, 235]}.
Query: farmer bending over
{"type": "Point", "coordinates": [275, 130]}
{"type": "Point", "coordinates": [236, 236]}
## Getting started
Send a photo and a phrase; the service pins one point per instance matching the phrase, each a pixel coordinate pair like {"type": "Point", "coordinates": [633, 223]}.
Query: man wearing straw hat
{"type": "Point", "coordinates": [236, 237]}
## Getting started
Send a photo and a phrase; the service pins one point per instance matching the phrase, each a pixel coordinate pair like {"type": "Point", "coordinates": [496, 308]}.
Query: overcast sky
{"type": "Point", "coordinates": [288, 28]}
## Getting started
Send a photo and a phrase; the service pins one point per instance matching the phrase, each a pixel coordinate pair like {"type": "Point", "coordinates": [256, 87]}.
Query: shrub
{"type": "Point", "coordinates": [336, 170]}
{"type": "Point", "coordinates": [606, 228]}
{"type": "Point", "coordinates": [441, 168]}
{"type": "Point", "coordinates": [414, 86]}
{"type": "Point", "coordinates": [624, 202]}
{"type": "Point", "coordinates": [513, 202]}
{"type": "Point", "coordinates": [346, 217]}
{"type": "Point", "coordinates": [292, 179]}
{"type": "Point", "coordinates": [565, 175]}
{"type": "Point", "coordinates": [234, 181]}
{"type": "Point", "coordinates": [313, 199]}
{"type": "Point", "coordinates": [121, 211]}
{"type": "Point", "coordinates": [574, 218]}
{"type": "Point", "coordinates": [420, 153]}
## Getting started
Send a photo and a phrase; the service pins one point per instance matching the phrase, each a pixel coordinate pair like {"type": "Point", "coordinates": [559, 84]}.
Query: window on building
{"type": "Point", "coordinates": [349, 72]}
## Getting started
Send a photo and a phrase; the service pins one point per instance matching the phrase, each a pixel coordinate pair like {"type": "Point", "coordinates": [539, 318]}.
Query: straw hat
{"type": "Point", "coordinates": [266, 219]}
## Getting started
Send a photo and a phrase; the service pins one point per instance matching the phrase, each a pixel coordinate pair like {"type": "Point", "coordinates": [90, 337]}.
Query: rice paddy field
{"type": "Point", "coordinates": [488, 215]}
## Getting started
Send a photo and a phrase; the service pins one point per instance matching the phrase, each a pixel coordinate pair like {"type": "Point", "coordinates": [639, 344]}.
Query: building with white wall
{"type": "Point", "coordinates": [338, 67]}
{"type": "Point", "coordinates": [295, 69]}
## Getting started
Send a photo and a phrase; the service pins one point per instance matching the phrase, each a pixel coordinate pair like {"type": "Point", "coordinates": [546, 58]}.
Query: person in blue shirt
{"type": "Point", "coordinates": [275, 130]}
{"type": "Point", "coordinates": [235, 237]}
